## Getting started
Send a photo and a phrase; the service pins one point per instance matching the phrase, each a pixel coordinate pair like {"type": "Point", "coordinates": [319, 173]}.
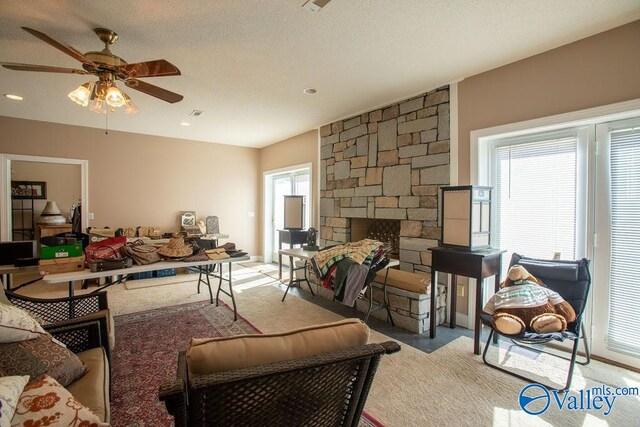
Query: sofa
{"type": "Point", "coordinates": [82, 324]}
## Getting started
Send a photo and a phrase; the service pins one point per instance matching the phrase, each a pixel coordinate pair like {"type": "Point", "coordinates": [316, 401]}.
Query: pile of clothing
{"type": "Point", "coordinates": [347, 269]}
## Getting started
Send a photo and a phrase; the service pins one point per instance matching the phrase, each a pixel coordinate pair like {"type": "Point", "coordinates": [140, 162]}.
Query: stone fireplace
{"type": "Point", "coordinates": [387, 164]}
{"type": "Point", "coordinates": [380, 178]}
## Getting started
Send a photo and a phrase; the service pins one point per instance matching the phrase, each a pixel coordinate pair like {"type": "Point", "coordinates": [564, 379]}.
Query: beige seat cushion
{"type": "Point", "coordinates": [412, 282]}
{"type": "Point", "coordinates": [92, 389]}
{"type": "Point", "coordinates": [206, 356]}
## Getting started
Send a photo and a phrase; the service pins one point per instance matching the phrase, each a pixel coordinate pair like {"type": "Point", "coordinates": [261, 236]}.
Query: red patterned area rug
{"type": "Point", "coordinates": [146, 354]}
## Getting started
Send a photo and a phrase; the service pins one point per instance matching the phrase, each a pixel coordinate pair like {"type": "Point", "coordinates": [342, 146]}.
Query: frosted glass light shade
{"type": "Point", "coordinates": [114, 97]}
{"type": "Point", "coordinates": [81, 94]}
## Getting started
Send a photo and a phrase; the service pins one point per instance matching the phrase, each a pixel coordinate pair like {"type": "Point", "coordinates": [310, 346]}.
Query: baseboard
{"type": "Point", "coordinates": [462, 320]}
{"type": "Point", "coordinates": [257, 258]}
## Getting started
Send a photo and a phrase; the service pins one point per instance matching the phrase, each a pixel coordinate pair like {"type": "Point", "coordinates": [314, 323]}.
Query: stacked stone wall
{"type": "Point", "coordinates": [388, 164]}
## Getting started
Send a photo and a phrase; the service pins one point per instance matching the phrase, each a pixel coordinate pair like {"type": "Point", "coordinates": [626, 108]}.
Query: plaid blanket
{"type": "Point", "coordinates": [358, 252]}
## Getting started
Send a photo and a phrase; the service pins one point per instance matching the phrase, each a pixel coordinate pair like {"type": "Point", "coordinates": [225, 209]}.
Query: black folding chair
{"type": "Point", "coordinates": [570, 279]}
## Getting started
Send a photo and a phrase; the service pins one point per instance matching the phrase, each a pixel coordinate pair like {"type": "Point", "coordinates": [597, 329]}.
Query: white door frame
{"type": "Point", "coordinates": [267, 204]}
{"type": "Point", "coordinates": [5, 188]}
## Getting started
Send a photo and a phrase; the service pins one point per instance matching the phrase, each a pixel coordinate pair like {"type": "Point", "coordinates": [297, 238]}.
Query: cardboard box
{"type": "Point", "coordinates": [61, 265]}
{"type": "Point", "coordinates": [62, 251]}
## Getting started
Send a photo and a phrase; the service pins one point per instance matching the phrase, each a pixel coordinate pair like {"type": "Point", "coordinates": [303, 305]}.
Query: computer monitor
{"type": "Point", "coordinates": [10, 251]}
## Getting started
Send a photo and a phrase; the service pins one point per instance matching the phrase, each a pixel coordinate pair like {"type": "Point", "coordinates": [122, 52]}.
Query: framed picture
{"type": "Point", "coordinates": [29, 190]}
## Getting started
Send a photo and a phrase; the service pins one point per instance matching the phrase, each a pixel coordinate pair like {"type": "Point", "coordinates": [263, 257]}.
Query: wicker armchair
{"type": "Point", "coordinates": [83, 333]}
{"type": "Point", "coordinates": [87, 336]}
{"type": "Point", "coordinates": [56, 310]}
{"type": "Point", "coordinates": [328, 389]}
{"type": "Point", "coordinates": [52, 310]}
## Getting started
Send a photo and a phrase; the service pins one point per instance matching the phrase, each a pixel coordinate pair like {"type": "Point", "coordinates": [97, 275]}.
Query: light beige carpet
{"type": "Point", "coordinates": [450, 386]}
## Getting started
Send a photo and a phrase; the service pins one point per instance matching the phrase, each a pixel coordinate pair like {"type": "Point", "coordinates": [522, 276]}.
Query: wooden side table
{"type": "Point", "coordinates": [292, 237]}
{"type": "Point", "coordinates": [478, 265]}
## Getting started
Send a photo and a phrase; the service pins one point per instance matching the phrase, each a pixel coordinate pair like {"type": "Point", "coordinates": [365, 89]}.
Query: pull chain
{"type": "Point", "coordinates": [106, 122]}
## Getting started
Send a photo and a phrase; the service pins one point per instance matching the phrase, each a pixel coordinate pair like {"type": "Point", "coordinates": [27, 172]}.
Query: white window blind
{"type": "Point", "coordinates": [624, 291]}
{"type": "Point", "coordinates": [535, 201]}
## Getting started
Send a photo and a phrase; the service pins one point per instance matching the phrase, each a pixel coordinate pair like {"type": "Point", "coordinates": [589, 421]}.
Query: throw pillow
{"type": "Point", "coordinates": [40, 356]}
{"type": "Point", "coordinates": [46, 402]}
{"type": "Point", "coordinates": [206, 356]}
{"type": "Point", "coordinates": [17, 325]}
{"type": "Point", "coordinates": [10, 389]}
{"type": "Point", "coordinates": [3, 297]}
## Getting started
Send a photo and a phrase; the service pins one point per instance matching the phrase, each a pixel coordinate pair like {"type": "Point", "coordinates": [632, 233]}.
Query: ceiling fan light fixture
{"type": "Point", "coordinates": [98, 105]}
{"type": "Point", "coordinates": [129, 106]}
{"type": "Point", "coordinates": [114, 97]}
{"type": "Point", "coordinates": [81, 94]}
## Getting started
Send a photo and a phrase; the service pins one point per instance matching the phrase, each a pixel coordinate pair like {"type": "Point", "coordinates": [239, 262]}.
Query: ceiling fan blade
{"type": "Point", "coordinates": [64, 48]}
{"type": "Point", "coordinates": [153, 90]}
{"type": "Point", "coordinates": [156, 68]}
{"type": "Point", "coordinates": [41, 68]}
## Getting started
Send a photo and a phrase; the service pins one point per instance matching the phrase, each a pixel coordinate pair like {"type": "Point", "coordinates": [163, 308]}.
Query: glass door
{"type": "Point", "coordinates": [293, 183]}
{"type": "Point", "coordinates": [616, 311]}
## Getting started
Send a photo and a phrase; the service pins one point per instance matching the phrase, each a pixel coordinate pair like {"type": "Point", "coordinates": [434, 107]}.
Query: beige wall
{"type": "Point", "coordinates": [146, 180]}
{"type": "Point", "coordinates": [63, 182]}
{"type": "Point", "coordinates": [294, 151]}
{"type": "Point", "coordinates": [599, 70]}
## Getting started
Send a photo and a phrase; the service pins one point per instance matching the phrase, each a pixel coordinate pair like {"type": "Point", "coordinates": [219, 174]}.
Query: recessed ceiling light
{"type": "Point", "coordinates": [309, 91]}
{"type": "Point", "coordinates": [185, 124]}
{"type": "Point", "coordinates": [14, 97]}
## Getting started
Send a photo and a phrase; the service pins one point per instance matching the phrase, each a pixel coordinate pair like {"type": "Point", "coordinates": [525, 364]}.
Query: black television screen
{"type": "Point", "coordinates": [10, 251]}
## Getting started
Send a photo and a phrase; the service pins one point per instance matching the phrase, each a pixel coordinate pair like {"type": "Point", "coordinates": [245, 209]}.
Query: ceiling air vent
{"type": "Point", "coordinates": [196, 113]}
{"type": "Point", "coordinates": [315, 5]}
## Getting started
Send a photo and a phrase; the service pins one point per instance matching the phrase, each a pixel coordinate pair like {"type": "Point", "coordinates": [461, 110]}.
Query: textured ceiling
{"type": "Point", "coordinates": [245, 62]}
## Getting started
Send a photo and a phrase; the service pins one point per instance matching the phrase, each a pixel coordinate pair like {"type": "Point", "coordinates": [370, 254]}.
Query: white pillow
{"type": "Point", "coordinates": [10, 390]}
{"type": "Point", "coordinates": [16, 325]}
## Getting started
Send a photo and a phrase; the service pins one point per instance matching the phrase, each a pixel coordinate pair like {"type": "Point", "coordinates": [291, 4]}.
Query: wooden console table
{"type": "Point", "coordinates": [292, 237]}
{"type": "Point", "coordinates": [478, 265]}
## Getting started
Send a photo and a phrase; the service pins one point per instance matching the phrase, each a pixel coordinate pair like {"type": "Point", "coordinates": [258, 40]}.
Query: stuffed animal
{"type": "Point", "coordinates": [524, 303]}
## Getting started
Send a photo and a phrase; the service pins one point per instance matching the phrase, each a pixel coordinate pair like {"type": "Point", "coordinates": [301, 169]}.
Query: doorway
{"type": "Point", "coordinates": [294, 181]}
{"type": "Point", "coordinates": [13, 168]}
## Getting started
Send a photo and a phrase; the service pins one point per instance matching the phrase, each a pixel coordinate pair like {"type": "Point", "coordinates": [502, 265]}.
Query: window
{"type": "Point", "coordinates": [537, 195]}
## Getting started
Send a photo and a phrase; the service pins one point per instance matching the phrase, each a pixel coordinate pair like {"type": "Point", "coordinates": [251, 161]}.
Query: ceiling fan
{"type": "Point", "coordinates": [109, 69]}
